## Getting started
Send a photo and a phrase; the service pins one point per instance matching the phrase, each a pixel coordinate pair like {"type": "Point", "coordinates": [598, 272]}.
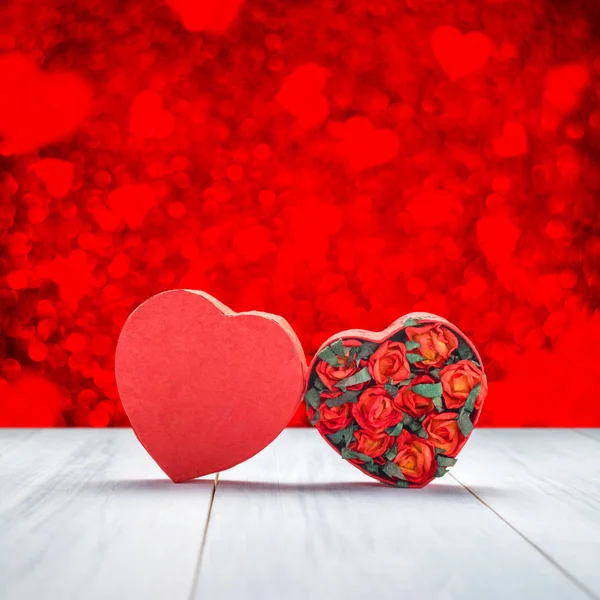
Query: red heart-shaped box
{"type": "Point", "coordinates": [206, 388]}
{"type": "Point", "coordinates": [398, 404]}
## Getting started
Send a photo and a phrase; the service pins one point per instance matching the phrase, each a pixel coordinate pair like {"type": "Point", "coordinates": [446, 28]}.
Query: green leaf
{"type": "Point", "coordinates": [464, 351]}
{"type": "Point", "coordinates": [315, 418]}
{"type": "Point", "coordinates": [410, 322]}
{"type": "Point", "coordinates": [393, 470]}
{"type": "Point", "coordinates": [406, 381]}
{"type": "Point", "coordinates": [392, 390]}
{"type": "Point", "coordinates": [351, 454]}
{"type": "Point", "coordinates": [470, 403]}
{"type": "Point", "coordinates": [345, 435]}
{"type": "Point", "coordinates": [342, 434]}
{"type": "Point", "coordinates": [391, 453]}
{"type": "Point", "coordinates": [414, 426]}
{"type": "Point", "coordinates": [312, 398]}
{"type": "Point", "coordinates": [440, 472]}
{"type": "Point", "coordinates": [338, 348]}
{"type": "Point", "coordinates": [318, 384]}
{"type": "Point", "coordinates": [329, 356]}
{"type": "Point", "coordinates": [347, 453]}
{"type": "Point", "coordinates": [464, 423]}
{"type": "Point", "coordinates": [422, 433]}
{"type": "Point", "coordinates": [352, 355]}
{"type": "Point", "coordinates": [438, 403]}
{"type": "Point", "coordinates": [402, 484]}
{"type": "Point", "coordinates": [337, 437]}
{"type": "Point", "coordinates": [395, 431]}
{"type": "Point", "coordinates": [349, 433]}
{"type": "Point", "coordinates": [410, 345]}
{"type": "Point", "coordinates": [428, 390]}
{"type": "Point", "coordinates": [435, 373]}
{"type": "Point", "coordinates": [413, 358]}
{"type": "Point", "coordinates": [366, 349]}
{"type": "Point", "coordinates": [348, 396]}
{"type": "Point", "coordinates": [445, 461]}
{"type": "Point", "coordinates": [406, 419]}
{"type": "Point", "coordinates": [372, 467]}
{"type": "Point", "coordinates": [361, 377]}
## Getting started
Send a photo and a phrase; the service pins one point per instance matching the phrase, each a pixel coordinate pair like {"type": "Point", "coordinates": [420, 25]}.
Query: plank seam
{"type": "Point", "coordinates": [196, 576]}
{"type": "Point", "coordinates": [566, 573]}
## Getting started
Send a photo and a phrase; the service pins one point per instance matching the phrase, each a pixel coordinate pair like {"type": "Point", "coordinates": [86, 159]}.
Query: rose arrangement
{"type": "Point", "coordinates": [400, 410]}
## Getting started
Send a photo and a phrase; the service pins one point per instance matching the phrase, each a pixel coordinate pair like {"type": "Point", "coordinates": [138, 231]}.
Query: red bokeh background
{"type": "Point", "coordinates": [339, 162]}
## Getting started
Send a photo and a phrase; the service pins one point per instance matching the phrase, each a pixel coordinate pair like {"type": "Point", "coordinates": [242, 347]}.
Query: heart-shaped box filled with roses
{"type": "Point", "coordinates": [398, 404]}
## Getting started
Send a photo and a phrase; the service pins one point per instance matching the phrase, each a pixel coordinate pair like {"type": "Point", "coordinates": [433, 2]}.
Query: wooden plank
{"type": "Point", "coordinates": [86, 514]}
{"type": "Point", "coordinates": [545, 483]}
{"type": "Point", "coordinates": [297, 522]}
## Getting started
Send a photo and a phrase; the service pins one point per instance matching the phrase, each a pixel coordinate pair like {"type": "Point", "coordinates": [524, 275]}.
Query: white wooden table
{"type": "Point", "coordinates": [86, 514]}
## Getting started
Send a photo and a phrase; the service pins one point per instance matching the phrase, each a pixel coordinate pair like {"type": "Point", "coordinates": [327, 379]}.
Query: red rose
{"type": "Point", "coordinates": [330, 375]}
{"type": "Point", "coordinates": [410, 402]}
{"type": "Point", "coordinates": [375, 410]}
{"type": "Point", "coordinates": [389, 362]}
{"type": "Point", "coordinates": [457, 382]}
{"type": "Point", "coordinates": [332, 419]}
{"type": "Point", "coordinates": [374, 445]}
{"type": "Point", "coordinates": [436, 343]}
{"type": "Point", "coordinates": [444, 433]}
{"type": "Point", "coordinates": [415, 458]}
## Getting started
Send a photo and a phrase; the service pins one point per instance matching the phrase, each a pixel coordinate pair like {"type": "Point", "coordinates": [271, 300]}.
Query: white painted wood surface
{"type": "Point", "coordinates": [297, 522]}
{"type": "Point", "coordinates": [86, 514]}
{"type": "Point", "coordinates": [593, 433]}
{"type": "Point", "coordinates": [546, 484]}
{"type": "Point", "coordinates": [13, 438]}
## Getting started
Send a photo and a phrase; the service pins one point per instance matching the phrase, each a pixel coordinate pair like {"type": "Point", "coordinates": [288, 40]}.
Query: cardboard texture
{"type": "Point", "coordinates": [206, 388]}
{"type": "Point", "coordinates": [399, 404]}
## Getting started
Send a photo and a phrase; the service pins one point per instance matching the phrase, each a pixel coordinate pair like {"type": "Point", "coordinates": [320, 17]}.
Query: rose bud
{"type": "Point", "coordinates": [389, 362]}
{"type": "Point", "coordinates": [375, 410]}
{"type": "Point", "coordinates": [436, 343]}
{"type": "Point", "coordinates": [416, 458]}
{"type": "Point", "coordinates": [457, 382]}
